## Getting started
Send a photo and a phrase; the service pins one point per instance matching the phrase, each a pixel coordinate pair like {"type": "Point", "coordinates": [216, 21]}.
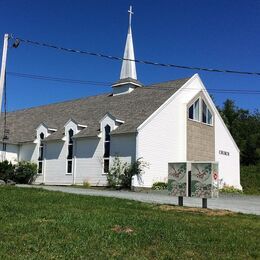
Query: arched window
{"type": "Point", "coordinates": [70, 151]}
{"type": "Point", "coordinates": [41, 153]}
{"type": "Point", "coordinates": [107, 148]}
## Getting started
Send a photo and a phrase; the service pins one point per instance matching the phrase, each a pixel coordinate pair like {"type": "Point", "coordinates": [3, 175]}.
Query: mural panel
{"type": "Point", "coordinates": [204, 180]}
{"type": "Point", "coordinates": [177, 179]}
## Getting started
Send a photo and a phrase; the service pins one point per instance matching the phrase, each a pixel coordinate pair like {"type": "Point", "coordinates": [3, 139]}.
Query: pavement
{"type": "Point", "coordinates": [234, 202]}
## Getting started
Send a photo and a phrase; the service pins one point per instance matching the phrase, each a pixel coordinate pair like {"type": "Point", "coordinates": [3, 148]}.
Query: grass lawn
{"type": "Point", "coordinates": [39, 224]}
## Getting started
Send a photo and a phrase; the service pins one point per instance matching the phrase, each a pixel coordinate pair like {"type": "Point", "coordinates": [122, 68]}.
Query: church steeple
{"type": "Point", "coordinates": [128, 78]}
{"type": "Point", "coordinates": [128, 69]}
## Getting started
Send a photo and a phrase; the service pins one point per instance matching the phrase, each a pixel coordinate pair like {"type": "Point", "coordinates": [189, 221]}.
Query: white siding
{"type": "Point", "coordinates": [89, 162]}
{"type": "Point", "coordinates": [55, 170]}
{"type": "Point", "coordinates": [229, 166]}
{"type": "Point", "coordinates": [89, 157]}
{"type": "Point", "coordinates": [123, 146]}
{"type": "Point", "coordinates": [11, 153]}
{"type": "Point", "coordinates": [28, 152]}
{"type": "Point", "coordinates": [162, 137]}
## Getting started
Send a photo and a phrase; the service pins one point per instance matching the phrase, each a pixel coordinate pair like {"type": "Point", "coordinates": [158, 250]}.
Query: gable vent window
{"type": "Point", "coordinates": [70, 152]}
{"type": "Point", "coordinates": [194, 110]}
{"type": "Point", "coordinates": [107, 148]}
{"type": "Point", "coordinates": [206, 114]}
{"type": "Point", "coordinates": [41, 150]}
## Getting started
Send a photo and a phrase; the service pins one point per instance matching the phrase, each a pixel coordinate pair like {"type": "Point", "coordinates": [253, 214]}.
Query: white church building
{"type": "Point", "coordinates": [76, 141]}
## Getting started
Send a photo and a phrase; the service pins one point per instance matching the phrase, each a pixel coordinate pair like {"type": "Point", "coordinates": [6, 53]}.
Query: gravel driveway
{"type": "Point", "coordinates": [237, 203]}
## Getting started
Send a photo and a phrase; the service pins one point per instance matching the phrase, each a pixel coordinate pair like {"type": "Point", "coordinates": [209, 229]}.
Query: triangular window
{"type": "Point", "coordinates": [200, 112]}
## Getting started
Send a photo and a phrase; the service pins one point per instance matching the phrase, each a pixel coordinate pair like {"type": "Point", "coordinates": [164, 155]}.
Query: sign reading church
{"type": "Point", "coordinates": [77, 140]}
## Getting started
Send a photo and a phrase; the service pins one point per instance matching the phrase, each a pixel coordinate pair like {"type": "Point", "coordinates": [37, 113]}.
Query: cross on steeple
{"type": "Point", "coordinates": [128, 69]}
{"type": "Point", "coordinates": [130, 15]}
{"type": "Point", "coordinates": [128, 78]}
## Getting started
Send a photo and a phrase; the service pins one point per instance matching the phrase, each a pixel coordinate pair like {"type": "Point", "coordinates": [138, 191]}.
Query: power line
{"type": "Point", "coordinates": [58, 79]}
{"type": "Point", "coordinates": [106, 84]}
{"type": "Point", "coordinates": [101, 55]}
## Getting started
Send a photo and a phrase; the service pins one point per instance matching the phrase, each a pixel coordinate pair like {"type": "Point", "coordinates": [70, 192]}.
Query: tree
{"type": "Point", "coordinates": [245, 129]}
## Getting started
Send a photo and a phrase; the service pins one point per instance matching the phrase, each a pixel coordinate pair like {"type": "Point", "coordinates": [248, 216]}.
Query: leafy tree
{"type": "Point", "coordinates": [245, 129]}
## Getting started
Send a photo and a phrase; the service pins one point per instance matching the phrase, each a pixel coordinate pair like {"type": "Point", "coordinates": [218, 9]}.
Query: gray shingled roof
{"type": "Point", "coordinates": [133, 108]}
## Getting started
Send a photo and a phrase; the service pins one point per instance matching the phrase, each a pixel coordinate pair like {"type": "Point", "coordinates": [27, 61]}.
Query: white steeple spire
{"type": "Point", "coordinates": [128, 69]}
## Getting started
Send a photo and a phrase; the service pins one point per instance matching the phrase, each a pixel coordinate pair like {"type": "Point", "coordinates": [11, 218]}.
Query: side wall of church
{"type": "Point", "coordinates": [87, 161]}
{"type": "Point", "coordinates": [162, 137]}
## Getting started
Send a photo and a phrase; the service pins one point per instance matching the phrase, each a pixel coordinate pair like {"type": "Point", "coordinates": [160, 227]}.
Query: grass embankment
{"type": "Point", "coordinates": [250, 179]}
{"type": "Point", "coordinates": [40, 224]}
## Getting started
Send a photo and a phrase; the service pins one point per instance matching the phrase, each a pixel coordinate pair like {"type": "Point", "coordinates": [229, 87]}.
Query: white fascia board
{"type": "Point", "coordinates": [41, 124]}
{"type": "Point", "coordinates": [45, 126]}
{"type": "Point", "coordinates": [125, 83]}
{"type": "Point", "coordinates": [80, 125]}
{"type": "Point", "coordinates": [156, 112]}
{"type": "Point", "coordinates": [52, 129]}
{"type": "Point", "coordinates": [120, 121]}
{"type": "Point", "coordinates": [70, 120]}
{"type": "Point", "coordinates": [107, 115]}
{"type": "Point", "coordinates": [210, 101]}
{"type": "Point", "coordinates": [112, 117]}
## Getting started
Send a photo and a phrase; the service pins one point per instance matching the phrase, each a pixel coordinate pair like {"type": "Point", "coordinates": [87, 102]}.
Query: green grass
{"type": "Point", "coordinates": [250, 179]}
{"type": "Point", "coordinates": [39, 224]}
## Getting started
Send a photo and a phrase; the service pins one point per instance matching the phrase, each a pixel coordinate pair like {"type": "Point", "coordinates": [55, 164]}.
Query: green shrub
{"type": "Point", "coordinates": [25, 172]}
{"type": "Point", "coordinates": [114, 176]}
{"type": "Point", "coordinates": [134, 169]}
{"type": "Point", "coordinates": [250, 179]}
{"type": "Point", "coordinates": [6, 170]}
{"type": "Point", "coordinates": [120, 174]}
{"type": "Point", "coordinates": [86, 184]}
{"type": "Point", "coordinates": [159, 186]}
{"type": "Point", "coordinates": [230, 189]}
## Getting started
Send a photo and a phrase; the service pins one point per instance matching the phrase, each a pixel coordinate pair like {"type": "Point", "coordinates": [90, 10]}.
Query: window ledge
{"type": "Point", "coordinates": [68, 173]}
{"type": "Point", "coordinates": [207, 124]}
{"type": "Point", "coordinates": [193, 120]}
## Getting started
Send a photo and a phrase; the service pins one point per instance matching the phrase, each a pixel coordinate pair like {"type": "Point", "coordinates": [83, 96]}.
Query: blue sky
{"type": "Point", "coordinates": [206, 33]}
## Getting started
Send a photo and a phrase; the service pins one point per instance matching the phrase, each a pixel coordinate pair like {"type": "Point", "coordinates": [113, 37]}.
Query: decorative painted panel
{"type": "Point", "coordinates": [204, 180]}
{"type": "Point", "coordinates": [177, 179]}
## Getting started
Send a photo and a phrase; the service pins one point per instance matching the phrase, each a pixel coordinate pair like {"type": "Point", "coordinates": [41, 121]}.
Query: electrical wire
{"type": "Point", "coordinates": [58, 79]}
{"type": "Point", "coordinates": [108, 84]}
{"type": "Point", "coordinates": [101, 55]}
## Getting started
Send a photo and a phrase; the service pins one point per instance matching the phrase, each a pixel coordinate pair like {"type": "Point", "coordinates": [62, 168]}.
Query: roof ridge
{"type": "Point", "coordinates": [168, 81]}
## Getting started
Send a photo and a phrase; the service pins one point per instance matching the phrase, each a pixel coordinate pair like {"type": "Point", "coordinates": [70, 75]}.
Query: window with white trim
{"type": "Point", "coordinates": [70, 151]}
{"type": "Point", "coordinates": [107, 148]}
{"type": "Point", "coordinates": [194, 110]}
{"type": "Point", "coordinates": [206, 114]}
{"type": "Point", "coordinates": [41, 154]}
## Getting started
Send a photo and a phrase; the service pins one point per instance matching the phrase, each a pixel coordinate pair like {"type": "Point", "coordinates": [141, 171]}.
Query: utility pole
{"type": "Point", "coordinates": [3, 68]}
